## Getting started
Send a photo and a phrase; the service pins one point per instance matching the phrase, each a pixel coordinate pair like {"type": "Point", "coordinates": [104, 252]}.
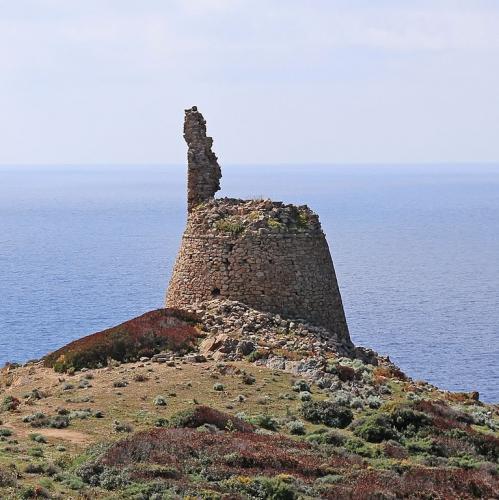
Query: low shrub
{"type": "Point", "coordinates": [248, 379]}
{"type": "Point", "coordinates": [221, 455]}
{"type": "Point", "coordinates": [32, 468]}
{"type": "Point", "coordinates": [360, 447]}
{"type": "Point", "coordinates": [38, 438]}
{"type": "Point", "coordinates": [233, 225]}
{"type": "Point", "coordinates": [332, 438]}
{"type": "Point", "coordinates": [162, 329]}
{"type": "Point", "coordinates": [35, 452]}
{"type": "Point", "coordinates": [327, 413]}
{"type": "Point", "coordinates": [409, 421]}
{"type": "Point", "coordinates": [256, 355]}
{"type": "Point", "coordinates": [275, 488]}
{"type": "Point", "coordinates": [159, 401]}
{"type": "Point", "coordinates": [296, 427]}
{"type": "Point", "coordinates": [304, 396]}
{"type": "Point", "coordinates": [201, 415]}
{"type": "Point", "coordinates": [59, 422]}
{"type": "Point", "coordinates": [374, 402]}
{"type": "Point", "coordinates": [265, 421]}
{"type": "Point", "coordinates": [9, 403]}
{"type": "Point", "coordinates": [122, 426]}
{"type": "Point", "coordinates": [376, 428]}
{"type": "Point", "coordinates": [161, 422]}
{"type": "Point", "coordinates": [7, 477]}
{"type": "Point", "coordinates": [301, 386]}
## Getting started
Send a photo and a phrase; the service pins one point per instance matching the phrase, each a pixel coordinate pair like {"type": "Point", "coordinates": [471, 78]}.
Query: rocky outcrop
{"type": "Point", "coordinates": [204, 172]}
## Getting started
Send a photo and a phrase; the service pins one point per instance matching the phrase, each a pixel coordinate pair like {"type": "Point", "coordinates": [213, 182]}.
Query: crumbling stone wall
{"type": "Point", "coordinates": [268, 255]}
{"type": "Point", "coordinates": [203, 169]}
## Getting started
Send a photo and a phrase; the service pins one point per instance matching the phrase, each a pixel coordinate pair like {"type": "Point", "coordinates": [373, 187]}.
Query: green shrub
{"type": "Point", "coordinates": [409, 421]}
{"type": "Point", "coordinates": [302, 219]}
{"type": "Point", "coordinates": [248, 379]}
{"type": "Point", "coordinates": [360, 447]}
{"type": "Point", "coordinates": [329, 479]}
{"type": "Point", "coordinates": [35, 452]}
{"type": "Point", "coordinates": [296, 427]}
{"type": "Point", "coordinates": [5, 432]}
{"type": "Point", "coordinates": [112, 478]}
{"type": "Point", "coordinates": [376, 428]}
{"type": "Point", "coordinates": [327, 413]}
{"type": "Point", "coordinates": [71, 481]}
{"type": "Point", "coordinates": [9, 403]}
{"type": "Point", "coordinates": [304, 396]}
{"type": "Point", "coordinates": [374, 402]}
{"type": "Point", "coordinates": [464, 462]}
{"type": "Point", "coordinates": [276, 488]}
{"type": "Point", "coordinates": [161, 422]}
{"type": "Point", "coordinates": [265, 421]}
{"type": "Point", "coordinates": [59, 422]}
{"type": "Point", "coordinates": [232, 225]}
{"type": "Point", "coordinates": [273, 223]}
{"type": "Point", "coordinates": [7, 478]}
{"type": "Point", "coordinates": [156, 490]}
{"type": "Point", "coordinates": [38, 438]}
{"type": "Point", "coordinates": [159, 401]}
{"type": "Point", "coordinates": [122, 426]}
{"type": "Point", "coordinates": [255, 356]}
{"type": "Point", "coordinates": [32, 468]}
{"type": "Point", "coordinates": [332, 438]}
{"type": "Point", "coordinates": [218, 387]}
{"type": "Point", "coordinates": [34, 492]}
{"type": "Point", "coordinates": [301, 386]}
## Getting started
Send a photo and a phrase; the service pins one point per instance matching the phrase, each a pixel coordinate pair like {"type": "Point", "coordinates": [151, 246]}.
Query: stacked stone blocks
{"type": "Point", "coordinates": [268, 255]}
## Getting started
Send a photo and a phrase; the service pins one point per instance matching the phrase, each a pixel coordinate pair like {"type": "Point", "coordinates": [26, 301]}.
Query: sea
{"type": "Point", "coordinates": [415, 247]}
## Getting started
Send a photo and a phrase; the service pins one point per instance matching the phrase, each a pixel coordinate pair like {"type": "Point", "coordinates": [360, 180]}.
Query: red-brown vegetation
{"type": "Point", "coordinates": [381, 373]}
{"type": "Point", "coordinates": [177, 453]}
{"type": "Point", "coordinates": [201, 415]}
{"type": "Point", "coordinates": [162, 329]}
{"type": "Point", "coordinates": [419, 483]}
{"type": "Point", "coordinates": [345, 373]}
{"type": "Point", "coordinates": [225, 454]}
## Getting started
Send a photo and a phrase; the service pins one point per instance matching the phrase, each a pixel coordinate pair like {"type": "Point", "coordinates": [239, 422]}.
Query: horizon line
{"type": "Point", "coordinates": [284, 164]}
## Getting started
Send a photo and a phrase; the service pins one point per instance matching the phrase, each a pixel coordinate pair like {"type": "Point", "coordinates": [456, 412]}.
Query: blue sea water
{"type": "Point", "coordinates": [416, 251]}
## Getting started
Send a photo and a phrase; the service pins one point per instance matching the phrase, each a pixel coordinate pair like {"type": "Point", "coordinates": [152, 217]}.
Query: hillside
{"type": "Point", "coordinates": [243, 404]}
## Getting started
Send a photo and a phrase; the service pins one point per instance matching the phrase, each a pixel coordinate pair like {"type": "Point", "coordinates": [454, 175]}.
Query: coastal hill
{"type": "Point", "coordinates": [246, 386]}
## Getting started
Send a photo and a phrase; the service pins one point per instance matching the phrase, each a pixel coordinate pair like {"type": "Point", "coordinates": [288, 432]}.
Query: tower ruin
{"type": "Point", "coordinates": [271, 256]}
{"type": "Point", "coordinates": [203, 179]}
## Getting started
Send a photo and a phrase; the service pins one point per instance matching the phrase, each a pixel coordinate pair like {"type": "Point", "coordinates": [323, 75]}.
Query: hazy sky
{"type": "Point", "coordinates": [99, 81]}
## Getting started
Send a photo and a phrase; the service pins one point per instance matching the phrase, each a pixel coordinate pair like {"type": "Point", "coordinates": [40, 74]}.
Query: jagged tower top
{"type": "Point", "coordinates": [204, 172]}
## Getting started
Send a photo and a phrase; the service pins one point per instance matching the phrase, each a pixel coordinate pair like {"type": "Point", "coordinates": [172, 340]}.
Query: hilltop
{"type": "Point", "coordinates": [246, 386]}
{"type": "Point", "coordinates": [238, 404]}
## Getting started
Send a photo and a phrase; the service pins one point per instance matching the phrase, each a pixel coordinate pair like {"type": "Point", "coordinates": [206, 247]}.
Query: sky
{"type": "Point", "coordinates": [279, 81]}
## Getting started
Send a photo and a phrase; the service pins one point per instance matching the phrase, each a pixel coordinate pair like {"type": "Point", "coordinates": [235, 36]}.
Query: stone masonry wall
{"type": "Point", "coordinates": [270, 256]}
{"type": "Point", "coordinates": [203, 170]}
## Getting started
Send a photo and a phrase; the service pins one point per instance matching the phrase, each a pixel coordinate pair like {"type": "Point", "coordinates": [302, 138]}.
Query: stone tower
{"type": "Point", "coordinates": [204, 173]}
{"type": "Point", "coordinates": [268, 255]}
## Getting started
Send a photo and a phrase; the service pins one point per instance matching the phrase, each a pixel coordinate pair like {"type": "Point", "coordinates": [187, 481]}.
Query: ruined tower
{"type": "Point", "coordinates": [271, 256]}
{"type": "Point", "coordinates": [204, 173]}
